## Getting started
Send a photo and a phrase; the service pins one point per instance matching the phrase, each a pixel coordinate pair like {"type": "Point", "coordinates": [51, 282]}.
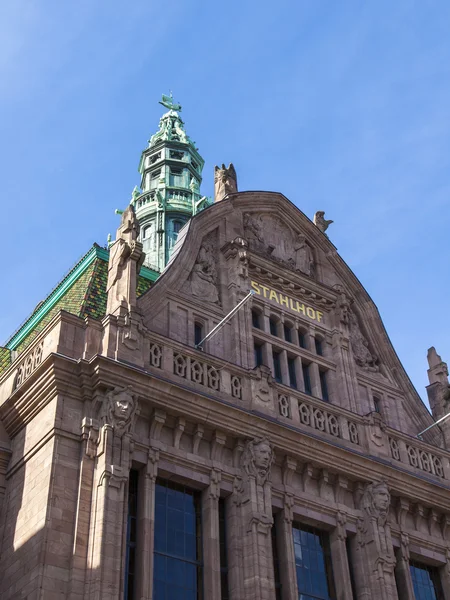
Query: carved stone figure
{"type": "Point", "coordinates": [253, 231]}
{"type": "Point", "coordinates": [204, 274]}
{"type": "Point", "coordinates": [304, 260]}
{"type": "Point", "coordinates": [342, 305]}
{"type": "Point", "coordinates": [121, 409]}
{"type": "Point", "coordinates": [125, 261]}
{"type": "Point", "coordinates": [376, 561]}
{"type": "Point", "coordinates": [320, 222]}
{"type": "Point", "coordinates": [360, 346]}
{"type": "Point", "coordinates": [225, 181]}
{"type": "Point", "coordinates": [257, 459]}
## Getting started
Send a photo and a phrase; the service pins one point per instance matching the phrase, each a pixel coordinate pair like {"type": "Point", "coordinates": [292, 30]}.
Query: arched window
{"type": "Point", "coordinates": [377, 404]}
{"type": "Point", "coordinates": [287, 332]}
{"type": "Point", "coordinates": [177, 225]}
{"type": "Point", "coordinates": [319, 346]}
{"type": "Point", "coordinates": [273, 326]}
{"type": "Point", "coordinates": [256, 319]}
{"type": "Point", "coordinates": [198, 332]}
{"type": "Point", "coordinates": [147, 232]}
{"type": "Point", "coordinates": [302, 338]}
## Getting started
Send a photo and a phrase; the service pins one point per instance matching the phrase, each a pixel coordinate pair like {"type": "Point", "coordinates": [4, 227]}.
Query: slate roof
{"type": "Point", "coordinates": [82, 292]}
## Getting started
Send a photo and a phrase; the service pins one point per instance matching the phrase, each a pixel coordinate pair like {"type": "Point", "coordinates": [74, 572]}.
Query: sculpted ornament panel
{"type": "Point", "coordinates": [257, 459]}
{"type": "Point", "coordinates": [360, 346]}
{"type": "Point", "coordinates": [120, 410]}
{"type": "Point", "coordinates": [204, 274]}
{"type": "Point", "coordinates": [225, 181]}
{"type": "Point", "coordinates": [270, 236]}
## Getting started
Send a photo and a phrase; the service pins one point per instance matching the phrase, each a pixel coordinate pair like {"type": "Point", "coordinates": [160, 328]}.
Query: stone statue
{"type": "Point", "coordinates": [375, 562]}
{"type": "Point", "coordinates": [360, 346]}
{"type": "Point", "coordinates": [342, 305]}
{"type": "Point", "coordinates": [376, 501]}
{"type": "Point", "coordinates": [204, 274]}
{"type": "Point", "coordinates": [125, 261]}
{"type": "Point", "coordinates": [253, 231]}
{"type": "Point", "coordinates": [121, 409]}
{"type": "Point", "coordinates": [304, 261]}
{"type": "Point", "coordinates": [257, 459]}
{"type": "Point", "coordinates": [225, 181]}
{"type": "Point", "coordinates": [320, 222]}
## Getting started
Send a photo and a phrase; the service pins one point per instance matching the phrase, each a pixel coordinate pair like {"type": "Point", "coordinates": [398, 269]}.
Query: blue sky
{"type": "Point", "coordinates": [341, 106]}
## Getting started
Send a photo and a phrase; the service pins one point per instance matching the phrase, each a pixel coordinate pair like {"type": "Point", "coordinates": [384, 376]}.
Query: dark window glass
{"type": "Point", "coordinates": [426, 583]}
{"type": "Point", "coordinates": [256, 319]}
{"type": "Point", "coordinates": [223, 551]}
{"type": "Point", "coordinates": [307, 379]}
{"type": "Point", "coordinates": [301, 339]}
{"type": "Point", "coordinates": [292, 375]}
{"type": "Point", "coordinates": [376, 404]}
{"type": "Point", "coordinates": [288, 333]}
{"type": "Point", "coordinates": [258, 354]}
{"type": "Point", "coordinates": [198, 333]}
{"type": "Point", "coordinates": [319, 349]}
{"type": "Point", "coordinates": [130, 559]}
{"type": "Point", "coordinates": [273, 327]}
{"type": "Point", "coordinates": [323, 385]}
{"type": "Point", "coordinates": [276, 561]}
{"type": "Point", "coordinates": [312, 563]}
{"type": "Point", "coordinates": [178, 543]}
{"type": "Point", "coordinates": [277, 366]}
{"type": "Point", "coordinates": [177, 225]}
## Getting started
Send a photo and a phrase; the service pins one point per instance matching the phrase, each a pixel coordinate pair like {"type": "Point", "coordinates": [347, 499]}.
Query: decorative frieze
{"type": "Point", "coordinates": [31, 361]}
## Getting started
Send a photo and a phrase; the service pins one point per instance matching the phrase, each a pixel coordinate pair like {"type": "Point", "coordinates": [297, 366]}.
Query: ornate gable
{"type": "Point", "coordinates": [260, 241]}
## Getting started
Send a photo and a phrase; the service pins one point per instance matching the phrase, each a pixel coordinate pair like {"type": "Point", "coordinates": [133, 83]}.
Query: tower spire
{"type": "Point", "coordinates": [171, 175]}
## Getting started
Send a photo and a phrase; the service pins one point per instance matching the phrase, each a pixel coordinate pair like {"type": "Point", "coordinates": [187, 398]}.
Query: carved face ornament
{"type": "Point", "coordinates": [123, 406]}
{"type": "Point", "coordinates": [263, 456]}
{"type": "Point", "coordinates": [381, 500]}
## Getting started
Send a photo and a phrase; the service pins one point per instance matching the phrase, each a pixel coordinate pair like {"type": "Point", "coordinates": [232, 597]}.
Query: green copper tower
{"type": "Point", "coordinates": [171, 174]}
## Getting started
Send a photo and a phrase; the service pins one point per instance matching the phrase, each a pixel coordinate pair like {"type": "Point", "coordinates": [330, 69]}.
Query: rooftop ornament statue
{"type": "Point", "coordinates": [320, 222]}
{"type": "Point", "coordinates": [169, 103]}
{"type": "Point", "coordinates": [225, 181]}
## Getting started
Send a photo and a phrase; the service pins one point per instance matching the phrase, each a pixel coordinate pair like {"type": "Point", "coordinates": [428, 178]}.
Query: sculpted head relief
{"type": "Point", "coordinates": [257, 459]}
{"type": "Point", "coordinates": [377, 499]}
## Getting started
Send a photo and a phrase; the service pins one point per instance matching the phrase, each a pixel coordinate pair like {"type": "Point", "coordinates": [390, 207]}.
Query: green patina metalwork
{"type": "Point", "coordinates": [82, 292]}
{"type": "Point", "coordinates": [5, 358]}
{"type": "Point", "coordinates": [171, 175]}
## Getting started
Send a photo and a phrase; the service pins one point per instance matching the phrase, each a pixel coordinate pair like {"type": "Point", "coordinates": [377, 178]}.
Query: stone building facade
{"type": "Point", "coordinates": [278, 460]}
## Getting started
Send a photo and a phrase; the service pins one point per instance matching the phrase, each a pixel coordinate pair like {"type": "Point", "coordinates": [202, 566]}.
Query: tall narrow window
{"type": "Point", "coordinates": [198, 333]}
{"type": "Point", "coordinates": [426, 582]}
{"type": "Point", "coordinates": [319, 347]}
{"type": "Point", "coordinates": [307, 379]}
{"type": "Point", "coordinates": [273, 326]}
{"type": "Point", "coordinates": [223, 551]}
{"type": "Point", "coordinates": [277, 366]}
{"type": "Point", "coordinates": [178, 563]}
{"type": "Point", "coordinates": [292, 374]}
{"type": "Point", "coordinates": [276, 560]}
{"type": "Point", "coordinates": [130, 559]}
{"type": "Point", "coordinates": [301, 339]}
{"type": "Point", "coordinates": [256, 319]}
{"type": "Point", "coordinates": [287, 332]}
{"type": "Point", "coordinates": [154, 178]}
{"type": "Point", "coordinates": [377, 404]}
{"type": "Point", "coordinates": [258, 354]}
{"type": "Point", "coordinates": [312, 563]}
{"type": "Point", "coordinates": [177, 225]}
{"type": "Point", "coordinates": [324, 385]}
